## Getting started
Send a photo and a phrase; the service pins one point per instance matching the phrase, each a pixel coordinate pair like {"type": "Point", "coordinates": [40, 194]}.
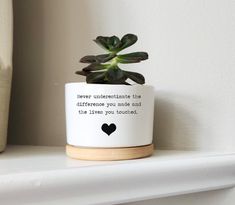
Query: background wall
{"type": "Point", "coordinates": [191, 49]}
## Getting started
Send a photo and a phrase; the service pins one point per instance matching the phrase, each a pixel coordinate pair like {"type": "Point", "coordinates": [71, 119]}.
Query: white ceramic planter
{"type": "Point", "coordinates": [100, 115]}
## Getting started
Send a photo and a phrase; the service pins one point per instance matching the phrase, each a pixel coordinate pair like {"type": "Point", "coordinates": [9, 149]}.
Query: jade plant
{"type": "Point", "coordinates": [104, 68]}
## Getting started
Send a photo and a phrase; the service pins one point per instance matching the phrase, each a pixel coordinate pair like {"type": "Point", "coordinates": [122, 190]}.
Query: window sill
{"type": "Point", "coordinates": [35, 174]}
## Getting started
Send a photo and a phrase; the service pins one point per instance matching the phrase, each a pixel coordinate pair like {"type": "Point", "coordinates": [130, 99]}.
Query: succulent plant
{"type": "Point", "coordinates": [104, 68]}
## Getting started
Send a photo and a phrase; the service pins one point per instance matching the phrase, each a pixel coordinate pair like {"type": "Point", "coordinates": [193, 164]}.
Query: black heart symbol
{"type": "Point", "coordinates": [108, 129]}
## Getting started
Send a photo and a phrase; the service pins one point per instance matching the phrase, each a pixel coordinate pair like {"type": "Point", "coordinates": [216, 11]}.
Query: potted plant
{"type": "Point", "coordinates": [109, 117]}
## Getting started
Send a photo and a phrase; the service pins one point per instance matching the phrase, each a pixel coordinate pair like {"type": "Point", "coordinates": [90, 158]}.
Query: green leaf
{"type": "Point", "coordinates": [127, 41]}
{"type": "Point", "coordinates": [82, 72]}
{"type": "Point", "coordinates": [132, 57]}
{"type": "Point", "coordinates": [95, 66]}
{"type": "Point", "coordinates": [108, 43]}
{"type": "Point", "coordinates": [96, 77]}
{"type": "Point", "coordinates": [105, 57]}
{"type": "Point", "coordinates": [115, 74]}
{"type": "Point", "coordinates": [97, 59]}
{"type": "Point", "coordinates": [88, 59]}
{"type": "Point", "coordinates": [113, 43]}
{"type": "Point", "coordinates": [136, 77]}
{"type": "Point", "coordinates": [126, 83]}
{"type": "Point", "coordinates": [102, 41]}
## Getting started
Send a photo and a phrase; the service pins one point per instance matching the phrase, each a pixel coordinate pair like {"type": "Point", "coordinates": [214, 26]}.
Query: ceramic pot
{"type": "Point", "coordinates": [102, 116]}
{"type": "Point", "coordinates": [5, 67]}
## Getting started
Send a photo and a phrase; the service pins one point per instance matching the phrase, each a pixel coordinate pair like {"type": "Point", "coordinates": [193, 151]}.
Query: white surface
{"type": "Point", "coordinates": [218, 197]}
{"type": "Point", "coordinates": [44, 175]}
{"type": "Point", "coordinates": [191, 64]}
{"type": "Point", "coordinates": [85, 129]}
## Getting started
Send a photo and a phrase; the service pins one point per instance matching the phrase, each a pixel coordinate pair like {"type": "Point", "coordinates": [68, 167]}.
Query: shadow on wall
{"type": "Point", "coordinates": [175, 126]}
{"type": "Point", "coordinates": [47, 43]}
{"type": "Point", "coordinates": [27, 75]}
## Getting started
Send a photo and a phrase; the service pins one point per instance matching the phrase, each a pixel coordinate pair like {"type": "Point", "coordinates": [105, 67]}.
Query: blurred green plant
{"type": "Point", "coordinates": [104, 68]}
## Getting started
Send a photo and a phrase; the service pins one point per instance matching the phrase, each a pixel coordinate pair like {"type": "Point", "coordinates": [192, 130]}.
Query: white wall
{"type": "Point", "coordinates": [191, 49]}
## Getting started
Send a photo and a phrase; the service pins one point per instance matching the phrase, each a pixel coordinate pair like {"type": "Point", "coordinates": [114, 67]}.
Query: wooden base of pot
{"type": "Point", "coordinates": [109, 154]}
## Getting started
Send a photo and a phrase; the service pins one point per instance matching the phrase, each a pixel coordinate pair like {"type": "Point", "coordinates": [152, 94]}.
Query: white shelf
{"type": "Point", "coordinates": [44, 175]}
